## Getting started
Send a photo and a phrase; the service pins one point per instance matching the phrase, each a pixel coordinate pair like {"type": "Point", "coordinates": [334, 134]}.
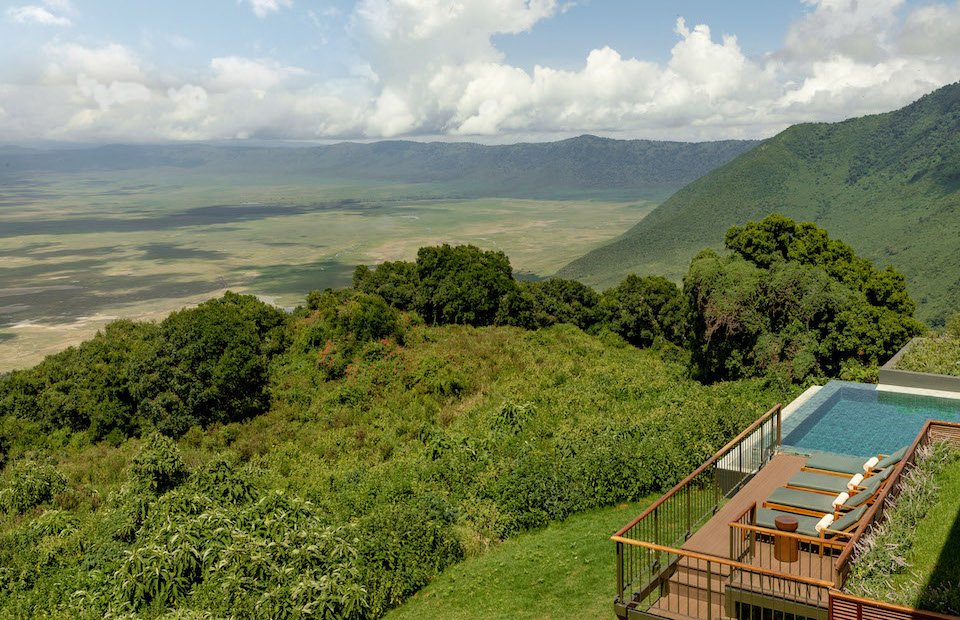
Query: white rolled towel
{"type": "Point", "coordinates": [869, 465]}
{"type": "Point", "coordinates": [855, 481]}
{"type": "Point", "coordinates": [841, 500]}
{"type": "Point", "coordinates": [824, 523]}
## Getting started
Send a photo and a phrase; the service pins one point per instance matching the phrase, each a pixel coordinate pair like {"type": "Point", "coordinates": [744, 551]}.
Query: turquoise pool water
{"type": "Point", "coordinates": [854, 418]}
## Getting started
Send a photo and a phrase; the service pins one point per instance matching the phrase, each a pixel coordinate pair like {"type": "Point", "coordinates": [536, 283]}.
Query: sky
{"type": "Point", "coordinates": [490, 71]}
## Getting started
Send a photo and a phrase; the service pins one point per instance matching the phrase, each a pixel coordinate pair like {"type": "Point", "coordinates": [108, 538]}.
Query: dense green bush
{"type": "Point", "coordinates": [29, 484]}
{"type": "Point", "coordinates": [462, 284]}
{"type": "Point", "coordinates": [793, 304]}
{"type": "Point", "coordinates": [209, 364]}
{"type": "Point", "coordinates": [643, 309]}
{"type": "Point", "coordinates": [345, 325]}
{"type": "Point", "coordinates": [397, 282]}
{"type": "Point", "coordinates": [158, 466]}
{"type": "Point", "coordinates": [198, 366]}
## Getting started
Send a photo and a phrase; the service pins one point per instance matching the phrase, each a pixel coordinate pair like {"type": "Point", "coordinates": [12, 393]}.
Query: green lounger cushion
{"type": "Point", "coordinates": [805, 524]}
{"type": "Point", "coordinates": [870, 487]}
{"type": "Point", "coordinates": [848, 520]}
{"type": "Point", "coordinates": [808, 500]}
{"type": "Point", "coordinates": [893, 459]}
{"type": "Point", "coordinates": [819, 482]}
{"type": "Point", "coordinates": [843, 463]}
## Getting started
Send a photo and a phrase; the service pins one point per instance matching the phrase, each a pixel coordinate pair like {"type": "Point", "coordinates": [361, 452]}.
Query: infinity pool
{"type": "Point", "coordinates": [856, 418]}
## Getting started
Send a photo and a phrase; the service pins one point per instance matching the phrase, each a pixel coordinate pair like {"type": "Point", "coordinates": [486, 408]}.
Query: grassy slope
{"type": "Point", "coordinates": [887, 184]}
{"type": "Point", "coordinates": [934, 558]}
{"type": "Point", "coordinates": [563, 571]}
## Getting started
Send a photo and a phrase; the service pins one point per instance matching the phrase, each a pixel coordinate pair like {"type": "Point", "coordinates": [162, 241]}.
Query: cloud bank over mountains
{"type": "Point", "coordinates": [428, 68]}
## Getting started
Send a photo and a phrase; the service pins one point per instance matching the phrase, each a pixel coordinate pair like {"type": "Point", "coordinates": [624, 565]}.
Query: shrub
{"type": "Point", "coordinates": [403, 546]}
{"type": "Point", "coordinates": [776, 307]}
{"type": "Point", "coordinates": [462, 284]}
{"type": "Point", "coordinates": [642, 310]}
{"type": "Point", "coordinates": [30, 484]}
{"type": "Point", "coordinates": [158, 466]}
{"type": "Point", "coordinates": [209, 364]}
{"type": "Point", "coordinates": [396, 282]}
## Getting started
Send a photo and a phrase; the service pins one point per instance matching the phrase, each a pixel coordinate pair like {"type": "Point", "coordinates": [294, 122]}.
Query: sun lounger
{"type": "Point", "coordinates": [871, 486]}
{"type": "Point", "coordinates": [842, 464]}
{"type": "Point", "coordinates": [846, 465]}
{"type": "Point", "coordinates": [814, 504]}
{"type": "Point", "coordinates": [801, 502]}
{"type": "Point", "coordinates": [806, 525]}
{"type": "Point", "coordinates": [831, 484]}
{"type": "Point", "coordinates": [893, 459]}
{"type": "Point", "coordinates": [821, 483]}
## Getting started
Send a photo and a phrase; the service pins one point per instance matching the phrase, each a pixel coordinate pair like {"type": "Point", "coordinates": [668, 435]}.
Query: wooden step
{"type": "Point", "coordinates": [674, 607]}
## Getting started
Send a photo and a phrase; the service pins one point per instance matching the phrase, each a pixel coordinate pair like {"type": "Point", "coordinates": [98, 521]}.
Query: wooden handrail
{"type": "Point", "coordinates": [713, 459]}
{"type": "Point", "coordinates": [800, 537]}
{"type": "Point", "coordinates": [882, 496]}
{"type": "Point", "coordinates": [731, 563]}
{"type": "Point", "coordinates": [745, 511]}
{"type": "Point", "coordinates": [890, 606]}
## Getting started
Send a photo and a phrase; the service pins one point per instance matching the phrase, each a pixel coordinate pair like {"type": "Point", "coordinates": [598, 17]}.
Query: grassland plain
{"type": "Point", "coordinates": [79, 250]}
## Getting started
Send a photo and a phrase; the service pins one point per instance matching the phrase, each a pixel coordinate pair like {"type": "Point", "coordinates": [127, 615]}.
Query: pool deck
{"type": "Point", "coordinates": [714, 537]}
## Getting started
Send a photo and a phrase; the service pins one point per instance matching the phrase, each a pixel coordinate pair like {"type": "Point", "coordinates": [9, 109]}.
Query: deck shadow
{"type": "Point", "coordinates": [942, 590]}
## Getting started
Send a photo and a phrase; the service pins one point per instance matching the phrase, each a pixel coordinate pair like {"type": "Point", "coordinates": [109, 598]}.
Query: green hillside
{"type": "Point", "coordinates": [887, 184]}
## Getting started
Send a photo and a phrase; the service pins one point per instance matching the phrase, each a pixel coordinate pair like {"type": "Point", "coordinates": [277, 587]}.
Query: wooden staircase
{"type": "Point", "coordinates": [692, 592]}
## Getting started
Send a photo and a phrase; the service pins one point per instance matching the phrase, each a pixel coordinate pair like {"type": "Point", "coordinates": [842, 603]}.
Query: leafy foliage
{"type": "Point", "coordinates": [209, 364]}
{"type": "Point", "coordinates": [884, 565]}
{"type": "Point", "coordinates": [198, 366]}
{"type": "Point", "coordinates": [396, 282]}
{"type": "Point", "coordinates": [158, 466]}
{"type": "Point", "coordinates": [461, 284]}
{"type": "Point", "coordinates": [792, 303]}
{"type": "Point", "coordinates": [642, 310]}
{"type": "Point", "coordinates": [29, 484]}
{"type": "Point", "coordinates": [939, 355]}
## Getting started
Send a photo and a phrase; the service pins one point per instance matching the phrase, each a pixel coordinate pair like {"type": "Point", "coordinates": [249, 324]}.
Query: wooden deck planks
{"type": "Point", "coordinates": [714, 537]}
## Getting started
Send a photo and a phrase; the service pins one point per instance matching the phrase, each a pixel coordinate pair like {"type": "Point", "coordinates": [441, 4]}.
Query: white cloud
{"type": "Point", "coordinates": [107, 63]}
{"type": "Point", "coordinates": [34, 14]}
{"type": "Point", "coordinates": [430, 68]}
{"type": "Point", "coordinates": [932, 30]}
{"type": "Point", "coordinates": [108, 95]}
{"type": "Point", "coordinates": [236, 72]}
{"type": "Point", "coordinates": [857, 29]}
{"type": "Point", "coordinates": [262, 8]}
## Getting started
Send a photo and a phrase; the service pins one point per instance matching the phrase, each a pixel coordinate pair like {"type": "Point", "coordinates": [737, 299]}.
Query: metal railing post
{"type": "Point", "coordinates": [779, 426]}
{"type": "Point", "coordinates": [620, 586]}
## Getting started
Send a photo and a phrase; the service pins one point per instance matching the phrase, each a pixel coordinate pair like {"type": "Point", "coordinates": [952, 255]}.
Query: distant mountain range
{"type": "Point", "coordinates": [888, 184]}
{"type": "Point", "coordinates": [582, 167]}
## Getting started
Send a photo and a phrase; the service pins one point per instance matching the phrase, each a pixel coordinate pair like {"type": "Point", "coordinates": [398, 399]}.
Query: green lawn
{"type": "Point", "coordinates": [566, 570]}
{"type": "Point", "coordinates": [934, 558]}
{"type": "Point", "coordinates": [913, 557]}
